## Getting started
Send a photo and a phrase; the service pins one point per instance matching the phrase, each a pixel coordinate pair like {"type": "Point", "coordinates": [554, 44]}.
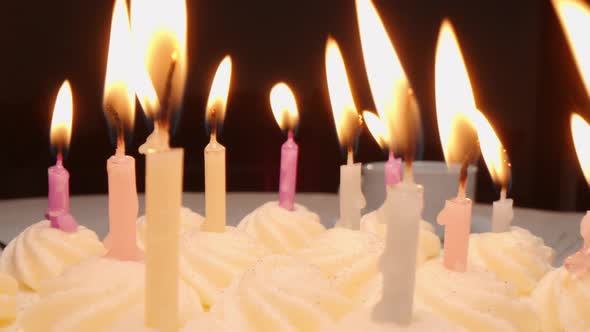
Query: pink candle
{"type": "Point", "coordinates": [393, 170]}
{"type": "Point", "coordinates": [121, 242]}
{"type": "Point", "coordinates": [58, 203]}
{"type": "Point", "coordinates": [288, 180]}
{"type": "Point", "coordinates": [284, 108]}
{"type": "Point", "coordinates": [456, 217]}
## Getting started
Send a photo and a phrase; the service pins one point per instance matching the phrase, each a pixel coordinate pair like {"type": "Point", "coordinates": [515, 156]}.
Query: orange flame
{"type": "Point", "coordinates": [61, 121]}
{"type": "Point", "coordinates": [574, 16]}
{"type": "Point", "coordinates": [344, 110]}
{"type": "Point", "coordinates": [395, 103]}
{"type": "Point", "coordinates": [493, 151]}
{"type": "Point", "coordinates": [284, 106]}
{"type": "Point", "coordinates": [119, 97]}
{"type": "Point", "coordinates": [377, 128]}
{"type": "Point", "coordinates": [581, 137]}
{"type": "Point", "coordinates": [455, 104]}
{"type": "Point", "coordinates": [217, 101]}
{"type": "Point", "coordinates": [159, 35]}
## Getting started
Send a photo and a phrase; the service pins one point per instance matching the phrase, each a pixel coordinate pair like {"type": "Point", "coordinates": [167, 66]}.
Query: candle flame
{"type": "Point", "coordinates": [61, 121]}
{"type": "Point", "coordinates": [284, 106]}
{"type": "Point", "coordinates": [455, 104]}
{"type": "Point", "coordinates": [119, 96]}
{"type": "Point", "coordinates": [581, 136]}
{"type": "Point", "coordinates": [377, 128]}
{"type": "Point", "coordinates": [395, 103]}
{"type": "Point", "coordinates": [344, 110]}
{"type": "Point", "coordinates": [494, 153]}
{"type": "Point", "coordinates": [574, 16]}
{"type": "Point", "coordinates": [159, 35]}
{"type": "Point", "coordinates": [217, 101]}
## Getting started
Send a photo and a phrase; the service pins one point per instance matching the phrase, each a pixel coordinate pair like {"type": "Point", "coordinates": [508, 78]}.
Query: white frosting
{"type": "Point", "coordinates": [281, 293]}
{"type": "Point", "coordinates": [205, 323]}
{"type": "Point", "coordinates": [423, 321]}
{"type": "Point", "coordinates": [95, 296]}
{"type": "Point", "coordinates": [351, 257]}
{"type": "Point", "coordinates": [24, 300]}
{"type": "Point", "coordinates": [428, 241]}
{"type": "Point", "coordinates": [475, 299]}
{"type": "Point", "coordinates": [282, 230]}
{"type": "Point", "coordinates": [8, 295]}
{"type": "Point", "coordinates": [189, 220]}
{"type": "Point", "coordinates": [210, 261]}
{"type": "Point", "coordinates": [516, 256]}
{"type": "Point", "coordinates": [41, 252]}
{"type": "Point", "coordinates": [562, 302]}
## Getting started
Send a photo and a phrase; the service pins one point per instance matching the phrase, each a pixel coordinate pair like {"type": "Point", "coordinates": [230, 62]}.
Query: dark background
{"type": "Point", "coordinates": [522, 72]}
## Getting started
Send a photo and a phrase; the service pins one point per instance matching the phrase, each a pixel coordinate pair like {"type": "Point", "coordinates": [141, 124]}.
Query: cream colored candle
{"type": "Point", "coordinates": [214, 186]}
{"type": "Point", "coordinates": [215, 211]}
{"type": "Point", "coordinates": [163, 199]}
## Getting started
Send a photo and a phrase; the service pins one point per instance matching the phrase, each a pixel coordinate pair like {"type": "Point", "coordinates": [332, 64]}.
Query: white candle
{"type": "Point", "coordinates": [351, 197]}
{"type": "Point", "coordinates": [403, 212]}
{"type": "Point", "coordinates": [347, 121]}
{"type": "Point", "coordinates": [502, 213]}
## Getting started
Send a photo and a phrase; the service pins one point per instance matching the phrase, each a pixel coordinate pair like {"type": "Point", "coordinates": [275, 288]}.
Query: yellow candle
{"type": "Point", "coordinates": [215, 152]}
{"type": "Point", "coordinates": [163, 199]}
{"type": "Point", "coordinates": [214, 186]}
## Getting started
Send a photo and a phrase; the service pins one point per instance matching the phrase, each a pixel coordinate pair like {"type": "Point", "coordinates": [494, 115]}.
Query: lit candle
{"type": "Point", "coordinates": [498, 164]}
{"type": "Point", "coordinates": [347, 122]}
{"type": "Point", "coordinates": [58, 203]}
{"type": "Point", "coordinates": [215, 211]}
{"type": "Point", "coordinates": [579, 263]}
{"type": "Point", "coordinates": [399, 129]}
{"type": "Point", "coordinates": [455, 107]}
{"type": "Point", "coordinates": [284, 108]}
{"type": "Point", "coordinates": [575, 19]}
{"type": "Point", "coordinates": [119, 106]}
{"type": "Point", "coordinates": [159, 29]}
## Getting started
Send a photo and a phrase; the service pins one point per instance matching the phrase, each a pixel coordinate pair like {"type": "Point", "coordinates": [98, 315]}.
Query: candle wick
{"type": "Point", "coordinates": [120, 151]}
{"type": "Point", "coordinates": [408, 174]}
{"type": "Point", "coordinates": [503, 194]}
{"type": "Point", "coordinates": [163, 116]}
{"type": "Point", "coordinates": [290, 135]}
{"type": "Point", "coordinates": [60, 158]}
{"type": "Point", "coordinates": [350, 156]}
{"type": "Point", "coordinates": [117, 123]}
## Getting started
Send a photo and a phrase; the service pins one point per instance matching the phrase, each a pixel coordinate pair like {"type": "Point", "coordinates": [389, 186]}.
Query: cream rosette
{"type": "Point", "coordinates": [281, 293]}
{"type": "Point", "coordinates": [42, 252]}
{"type": "Point", "coordinates": [516, 256]}
{"type": "Point", "coordinates": [475, 299]}
{"type": "Point", "coordinates": [95, 296]}
{"type": "Point", "coordinates": [210, 261]}
{"type": "Point", "coordinates": [562, 302]}
{"type": "Point", "coordinates": [282, 230]}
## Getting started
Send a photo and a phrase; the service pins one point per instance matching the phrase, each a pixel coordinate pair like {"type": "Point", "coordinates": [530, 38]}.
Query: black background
{"type": "Point", "coordinates": [522, 72]}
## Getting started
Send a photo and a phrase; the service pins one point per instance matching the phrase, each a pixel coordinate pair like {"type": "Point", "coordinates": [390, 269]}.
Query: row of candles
{"type": "Point", "coordinates": [157, 36]}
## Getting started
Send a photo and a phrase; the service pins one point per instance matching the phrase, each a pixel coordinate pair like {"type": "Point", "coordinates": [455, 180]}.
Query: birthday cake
{"type": "Point", "coordinates": [281, 269]}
